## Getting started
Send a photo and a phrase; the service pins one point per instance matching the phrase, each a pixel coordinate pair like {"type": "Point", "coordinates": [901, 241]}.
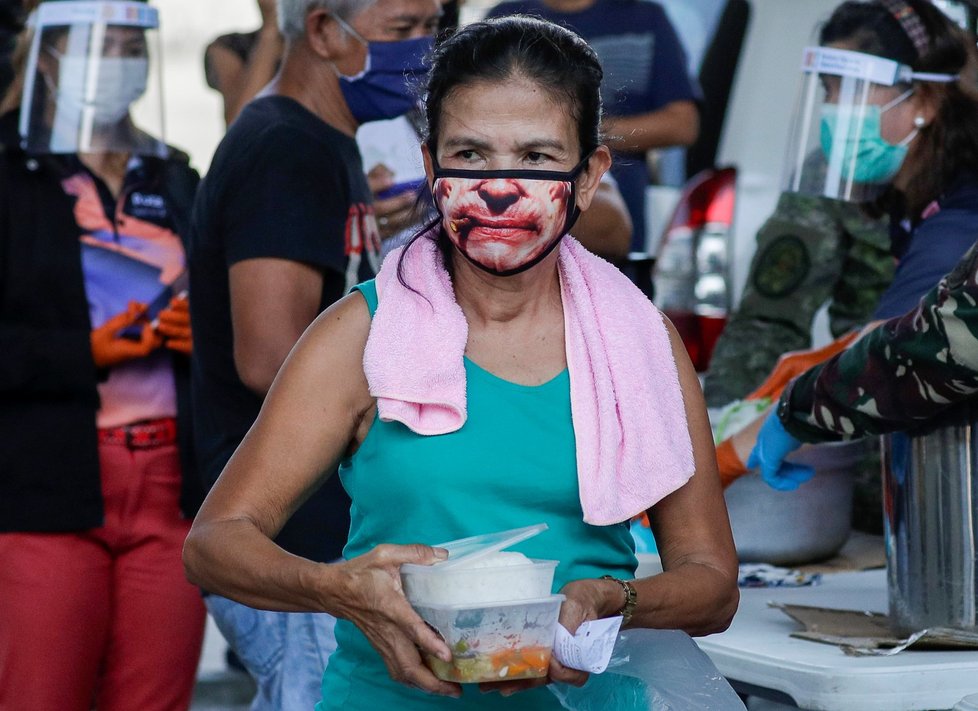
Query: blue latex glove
{"type": "Point", "coordinates": [773, 445]}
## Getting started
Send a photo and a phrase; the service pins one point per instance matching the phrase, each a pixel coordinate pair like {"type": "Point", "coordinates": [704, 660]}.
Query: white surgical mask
{"type": "Point", "coordinates": [120, 82]}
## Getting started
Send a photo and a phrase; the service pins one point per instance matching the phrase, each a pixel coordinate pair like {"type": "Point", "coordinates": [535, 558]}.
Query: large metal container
{"type": "Point", "coordinates": [930, 503]}
{"type": "Point", "coordinates": [793, 527]}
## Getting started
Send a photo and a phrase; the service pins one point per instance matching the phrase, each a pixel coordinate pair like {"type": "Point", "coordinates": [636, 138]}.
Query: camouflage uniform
{"type": "Point", "coordinates": [810, 250]}
{"type": "Point", "coordinates": [908, 370]}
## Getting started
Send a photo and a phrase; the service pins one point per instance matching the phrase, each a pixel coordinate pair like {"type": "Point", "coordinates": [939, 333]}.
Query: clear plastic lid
{"type": "Point", "coordinates": [466, 550]}
{"type": "Point", "coordinates": [519, 604]}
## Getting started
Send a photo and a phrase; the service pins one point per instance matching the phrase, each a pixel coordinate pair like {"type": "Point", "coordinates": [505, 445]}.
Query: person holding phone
{"type": "Point", "coordinates": [98, 481]}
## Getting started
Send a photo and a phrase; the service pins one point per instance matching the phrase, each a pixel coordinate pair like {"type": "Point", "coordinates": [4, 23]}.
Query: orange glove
{"type": "Point", "coordinates": [729, 464]}
{"type": "Point", "coordinates": [173, 324]}
{"type": "Point", "coordinates": [794, 363]}
{"type": "Point", "coordinates": [109, 349]}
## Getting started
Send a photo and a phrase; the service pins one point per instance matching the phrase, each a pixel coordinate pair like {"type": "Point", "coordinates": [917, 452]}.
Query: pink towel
{"type": "Point", "coordinates": [633, 445]}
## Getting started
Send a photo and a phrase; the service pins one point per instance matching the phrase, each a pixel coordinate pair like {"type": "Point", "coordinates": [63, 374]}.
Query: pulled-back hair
{"type": "Point", "coordinates": [948, 146]}
{"type": "Point", "coordinates": [496, 50]}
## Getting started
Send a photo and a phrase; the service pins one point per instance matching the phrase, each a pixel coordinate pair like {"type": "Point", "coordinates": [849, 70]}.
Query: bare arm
{"type": "Point", "coordinates": [697, 592]}
{"type": "Point", "coordinates": [675, 124]}
{"type": "Point", "coordinates": [272, 302]}
{"type": "Point", "coordinates": [299, 434]}
{"type": "Point", "coordinates": [605, 228]}
{"type": "Point", "coordinates": [318, 408]}
{"type": "Point", "coordinates": [238, 81]}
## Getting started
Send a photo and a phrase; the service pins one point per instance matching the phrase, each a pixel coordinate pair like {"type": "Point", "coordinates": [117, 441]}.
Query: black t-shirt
{"type": "Point", "coordinates": [283, 184]}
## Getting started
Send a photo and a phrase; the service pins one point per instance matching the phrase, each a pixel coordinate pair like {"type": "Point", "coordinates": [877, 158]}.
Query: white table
{"type": "Point", "coordinates": [758, 655]}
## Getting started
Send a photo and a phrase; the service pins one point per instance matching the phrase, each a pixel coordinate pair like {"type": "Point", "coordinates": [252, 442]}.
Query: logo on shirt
{"type": "Point", "coordinates": [147, 206]}
{"type": "Point", "coordinates": [362, 239]}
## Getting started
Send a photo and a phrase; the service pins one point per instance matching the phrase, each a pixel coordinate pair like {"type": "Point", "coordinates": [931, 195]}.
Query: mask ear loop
{"type": "Point", "coordinates": [348, 28]}
{"type": "Point", "coordinates": [574, 213]}
{"type": "Point", "coordinates": [900, 99]}
{"type": "Point", "coordinates": [918, 122]}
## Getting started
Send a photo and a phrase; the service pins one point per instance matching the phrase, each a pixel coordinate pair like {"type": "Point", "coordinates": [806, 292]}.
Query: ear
{"type": "Point", "coordinates": [589, 179]}
{"type": "Point", "coordinates": [429, 168]}
{"type": "Point", "coordinates": [925, 101]}
{"type": "Point", "coordinates": [323, 35]}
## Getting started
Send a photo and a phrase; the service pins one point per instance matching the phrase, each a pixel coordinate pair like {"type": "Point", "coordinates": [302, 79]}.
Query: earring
{"type": "Point", "coordinates": [919, 121]}
{"type": "Point", "coordinates": [453, 225]}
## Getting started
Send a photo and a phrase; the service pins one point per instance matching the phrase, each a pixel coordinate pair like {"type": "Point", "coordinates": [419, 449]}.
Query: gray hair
{"type": "Point", "coordinates": [292, 13]}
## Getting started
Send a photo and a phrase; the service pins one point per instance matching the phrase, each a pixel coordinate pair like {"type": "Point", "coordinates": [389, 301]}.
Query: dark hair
{"type": "Point", "coordinates": [498, 49]}
{"type": "Point", "coordinates": [947, 146]}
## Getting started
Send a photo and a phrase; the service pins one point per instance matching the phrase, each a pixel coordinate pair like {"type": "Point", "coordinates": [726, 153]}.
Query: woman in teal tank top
{"type": "Point", "coordinates": [516, 449]}
{"type": "Point", "coordinates": [513, 107]}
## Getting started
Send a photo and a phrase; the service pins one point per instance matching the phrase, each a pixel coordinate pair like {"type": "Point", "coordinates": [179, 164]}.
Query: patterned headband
{"type": "Point", "coordinates": [910, 23]}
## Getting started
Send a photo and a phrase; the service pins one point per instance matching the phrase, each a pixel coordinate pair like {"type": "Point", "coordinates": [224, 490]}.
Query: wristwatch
{"type": "Point", "coordinates": [631, 598]}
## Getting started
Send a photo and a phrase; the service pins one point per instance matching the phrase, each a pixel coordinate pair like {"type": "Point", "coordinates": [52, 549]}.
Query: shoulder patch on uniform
{"type": "Point", "coordinates": [782, 266]}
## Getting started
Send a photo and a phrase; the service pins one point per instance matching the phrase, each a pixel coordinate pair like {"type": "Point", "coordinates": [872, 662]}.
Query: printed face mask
{"type": "Point", "coordinates": [121, 81]}
{"type": "Point", "coordinates": [385, 89]}
{"type": "Point", "coordinates": [866, 155]}
{"type": "Point", "coordinates": [506, 221]}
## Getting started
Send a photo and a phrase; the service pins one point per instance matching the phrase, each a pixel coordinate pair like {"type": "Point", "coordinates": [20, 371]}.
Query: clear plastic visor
{"type": "Point", "coordinates": [851, 126]}
{"type": "Point", "coordinates": [93, 82]}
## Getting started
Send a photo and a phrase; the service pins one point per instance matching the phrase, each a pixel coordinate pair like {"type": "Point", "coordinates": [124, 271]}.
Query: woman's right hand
{"type": "Point", "coordinates": [109, 348]}
{"type": "Point", "coordinates": [372, 598]}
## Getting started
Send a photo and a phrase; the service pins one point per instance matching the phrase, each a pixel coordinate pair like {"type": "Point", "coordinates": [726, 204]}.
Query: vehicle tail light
{"type": "Point", "coordinates": [692, 267]}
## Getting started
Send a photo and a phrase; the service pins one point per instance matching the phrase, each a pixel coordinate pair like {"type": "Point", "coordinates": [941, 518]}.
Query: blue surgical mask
{"type": "Point", "coordinates": [865, 153]}
{"type": "Point", "coordinates": [385, 89]}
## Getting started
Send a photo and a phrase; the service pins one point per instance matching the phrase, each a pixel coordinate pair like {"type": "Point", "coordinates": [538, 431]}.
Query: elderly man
{"type": "Point", "coordinates": [283, 226]}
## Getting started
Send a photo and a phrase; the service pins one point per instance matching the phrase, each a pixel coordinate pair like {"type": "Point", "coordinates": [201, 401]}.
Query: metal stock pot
{"type": "Point", "coordinates": [930, 504]}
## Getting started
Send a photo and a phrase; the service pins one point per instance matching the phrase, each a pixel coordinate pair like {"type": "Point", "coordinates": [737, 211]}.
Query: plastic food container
{"type": "Point", "coordinates": [471, 576]}
{"type": "Point", "coordinates": [432, 584]}
{"type": "Point", "coordinates": [510, 640]}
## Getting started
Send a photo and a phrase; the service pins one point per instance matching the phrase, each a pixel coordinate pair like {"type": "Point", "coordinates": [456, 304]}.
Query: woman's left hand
{"type": "Point", "coordinates": [586, 600]}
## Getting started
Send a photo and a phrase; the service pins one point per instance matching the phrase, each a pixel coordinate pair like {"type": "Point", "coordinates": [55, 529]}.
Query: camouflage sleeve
{"type": "Point", "coordinates": [904, 372]}
{"type": "Point", "coordinates": [867, 269]}
{"type": "Point", "coordinates": [798, 261]}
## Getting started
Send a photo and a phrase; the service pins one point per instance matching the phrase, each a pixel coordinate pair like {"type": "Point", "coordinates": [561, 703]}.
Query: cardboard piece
{"type": "Point", "coordinates": [861, 551]}
{"type": "Point", "coordinates": [861, 633]}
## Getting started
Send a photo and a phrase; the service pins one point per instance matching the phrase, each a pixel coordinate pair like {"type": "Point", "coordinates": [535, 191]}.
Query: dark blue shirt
{"type": "Point", "coordinates": [936, 245]}
{"type": "Point", "coordinates": [644, 70]}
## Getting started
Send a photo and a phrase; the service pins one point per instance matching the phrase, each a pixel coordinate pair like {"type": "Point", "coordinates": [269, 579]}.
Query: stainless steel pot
{"type": "Point", "coordinates": [930, 504]}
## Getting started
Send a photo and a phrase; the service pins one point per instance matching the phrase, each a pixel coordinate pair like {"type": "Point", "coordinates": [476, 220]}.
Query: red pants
{"type": "Point", "coordinates": [104, 617]}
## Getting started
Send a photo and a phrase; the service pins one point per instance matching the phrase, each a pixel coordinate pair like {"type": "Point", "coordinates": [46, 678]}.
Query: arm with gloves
{"type": "Point", "coordinates": [904, 372]}
{"type": "Point", "coordinates": [734, 451]}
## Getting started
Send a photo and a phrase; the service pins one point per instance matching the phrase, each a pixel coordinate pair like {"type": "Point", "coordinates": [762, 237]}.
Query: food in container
{"type": "Point", "coordinates": [492, 607]}
{"type": "Point", "coordinates": [493, 642]}
{"type": "Point", "coordinates": [497, 577]}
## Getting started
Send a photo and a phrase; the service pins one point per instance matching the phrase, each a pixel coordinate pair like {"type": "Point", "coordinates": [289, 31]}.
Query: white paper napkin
{"type": "Point", "coordinates": [589, 649]}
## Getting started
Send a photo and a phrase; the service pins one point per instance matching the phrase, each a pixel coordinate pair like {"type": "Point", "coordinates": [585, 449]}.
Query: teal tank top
{"type": "Point", "coordinates": [512, 464]}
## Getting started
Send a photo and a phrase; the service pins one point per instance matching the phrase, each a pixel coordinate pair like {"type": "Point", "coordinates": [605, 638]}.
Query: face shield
{"type": "Point", "coordinates": [851, 130]}
{"type": "Point", "coordinates": [92, 83]}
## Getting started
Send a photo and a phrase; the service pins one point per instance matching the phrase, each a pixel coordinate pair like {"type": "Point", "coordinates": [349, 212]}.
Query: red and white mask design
{"type": "Point", "coordinates": [505, 221]}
